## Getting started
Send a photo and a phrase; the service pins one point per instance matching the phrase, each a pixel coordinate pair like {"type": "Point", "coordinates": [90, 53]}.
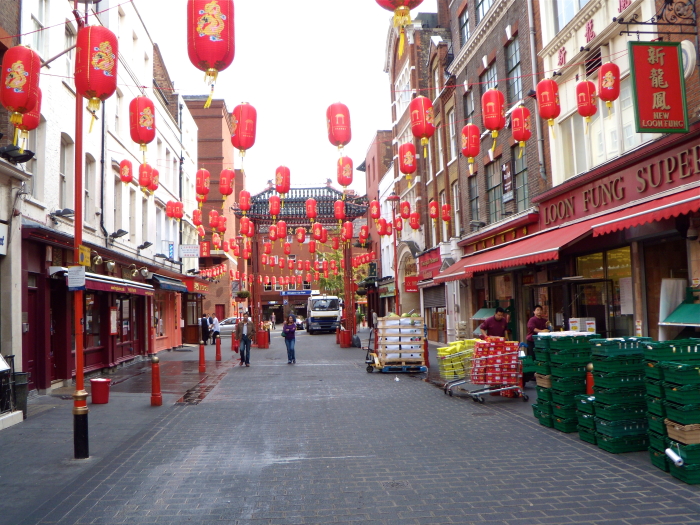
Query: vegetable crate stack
{"type": "Point", "coordinates": [619, 407]}
{"type": "Point", "coordinates": [496, 362]}
{"type": "Point", "coordinates": [673, 399]}
{"type": "Point", "coordinates": [561, 358]}
{"type": "Point", "coordinates": [400, 343]}
{"type": "Point", "coordinates": [454, 360]}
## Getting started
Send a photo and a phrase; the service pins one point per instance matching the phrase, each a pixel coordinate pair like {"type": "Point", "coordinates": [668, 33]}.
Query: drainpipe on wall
{"type": "Point", "coordinates": [182, 161]}
{"type": "Point", "coordinates": [102, 177]}
{"type": "Point", "coordinates": [533, 59]}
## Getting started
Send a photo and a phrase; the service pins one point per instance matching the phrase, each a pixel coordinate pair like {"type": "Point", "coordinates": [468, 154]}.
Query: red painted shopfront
{"type": "Point", "coordinates": [197, 289]}
{"type": "Point", "coordinates": [433, 295]}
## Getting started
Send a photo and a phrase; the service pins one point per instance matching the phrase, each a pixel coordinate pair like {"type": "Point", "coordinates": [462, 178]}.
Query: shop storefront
{"type": "Point", "coordinates": [192, 312]}
{"type": "Point", "coordinates": [167, 311]}
{"type": "Point", "coordinates": [387, 294]}
{"type": "Point", "coordinates": [433, 300]}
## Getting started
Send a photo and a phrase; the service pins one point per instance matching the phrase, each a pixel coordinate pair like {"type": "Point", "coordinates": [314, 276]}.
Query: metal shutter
{"type": "Point", "coordinates": [434, 297]}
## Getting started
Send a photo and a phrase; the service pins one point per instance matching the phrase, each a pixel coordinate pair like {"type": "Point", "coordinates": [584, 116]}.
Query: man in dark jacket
{"type": "Point", "coordinates": [204, 322]}
{"type": "Point", "coordinates": [245, 333]}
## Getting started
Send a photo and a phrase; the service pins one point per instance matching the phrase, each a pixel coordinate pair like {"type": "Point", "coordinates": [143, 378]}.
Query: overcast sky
{"type": "Point", "coordinates": [293, 59]}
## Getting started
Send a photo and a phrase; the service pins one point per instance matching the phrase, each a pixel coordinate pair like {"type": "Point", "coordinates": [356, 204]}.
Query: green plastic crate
{"type": "Point", "coordinates": [654, 388]}
{"type": "Point", "coordinates": [680, 373]}
{"type": "Point", "coordinates": [615, 347]}
{"type": "Point", "coordinates": [620, 412]}
{"type": "Point", "coordinates": [585, 403]}
{"type": "Point", "coordinates": [618, 364]}
{"type": "Point", "coordinates": [572, 342]}
{"type": "Point", "coordinates": [564, 411]}
{"type": "Point", "coordinates": [572, 385]}
{"type": "Point", "coordinates": [567, 425]}
{"type": "Point", "coordinates": [658, 459]}
{"type": "Point", "coordinates": [542, 355]}
{"type": "Point", "coordinates": [655, 405]}
{"type": "Point", "coordinates": [622, 444]}
{"type": "Point", "coordinates": [573, 356]}
{"type": "Point", "coordinates": [656, 440]}
{"type": "Point", "coordinates": [544, 393]}
{"type": "Point", "coordinates": [683, 414]}
{"type": "Point", "coordinates": [656, 423]}
{"type": "Point", "coordinates": [575, 371]}
{"type": "Point", "coordinates": [528, 364]}
{"type": "Point", "coordinates": [544, 406]}
{"type": "Point", "coordinates": [652, 370]}
{"type": "Point", "coordinates": [546, 420]}
{"type": "Point", "coordinates": [689, 453]}
{"type": "Point", "coordinates": [541, 342]}
{"type": "Point", "coordinates": [690, 474]}
{"type": "Point", "coordinates": [586, 421]}
{"type": "Point", "coordinates": [542, 367]}
{"type": "Point", "coordinates": [619, 379]}
{"type": "Point", "coordinates": [682, 394]}
{"type": "Point", "coordinates": [586, 434]}
{"type": "Point", "coordinates": [612, 396]}
{"type": "Point", "coordinates": [676, 351]}
{"type": "Point", "coordinates": [563, 398]}
{"type": "Point", "coordinates": [625, 427]}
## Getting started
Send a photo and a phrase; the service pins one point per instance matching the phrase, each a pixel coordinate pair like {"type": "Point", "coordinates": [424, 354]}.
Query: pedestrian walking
{"type": "Point", "coordinates": [204, 322]}
{"type": "Point", "coordinates": [215, 329]}
{"type": "Point", "coordinates": [273, 320]}
{"type": "Point", "coordinates": [245, 333]}
{"type": "Point", "coordinates": [289, 330]}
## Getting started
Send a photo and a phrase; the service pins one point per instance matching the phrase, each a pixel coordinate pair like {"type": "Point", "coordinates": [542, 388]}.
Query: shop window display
{"type": "Point", "coordinates": [92, 321]}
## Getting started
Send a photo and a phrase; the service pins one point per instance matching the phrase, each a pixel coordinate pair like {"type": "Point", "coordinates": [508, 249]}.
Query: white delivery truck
{"type": "Point", "coordinates": [323, 313]}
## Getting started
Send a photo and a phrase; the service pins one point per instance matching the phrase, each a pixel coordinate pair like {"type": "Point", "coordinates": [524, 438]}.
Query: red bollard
{"type": "Point", "coordinates": [202, 363]}
{"type": "Point", "coordinates": [156, 396]}
{"type": "Point", "coordinates": [218, 348]}
{"type": "Point", "coordinates": [337, 335]}
{"type": "Point", "coordinates": [589, 383]}
{"type": "Point", "coordinates": [425, 349]}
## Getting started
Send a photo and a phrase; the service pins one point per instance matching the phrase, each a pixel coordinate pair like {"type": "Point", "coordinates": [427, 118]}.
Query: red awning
{"type": "Point", "coordinates": [540, 247]}
{"type": "Point", "coordinates": [664, 208]}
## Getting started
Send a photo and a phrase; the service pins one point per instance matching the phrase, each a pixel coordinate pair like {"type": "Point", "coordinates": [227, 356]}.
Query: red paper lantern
{"type": "Point", "coordinates": [179, 210]}
{"type": "Point", "coordinates": [345, 168]}
{"type": "Point", "coordinates": [281, 229]}
{"type": "Point", "coordinates": [155, 181]}
{"type": "Point", "coordinates": [275, 207]}
{"type": "Point", "coordinates": [300, 265]}
{"type": "Point", "coordinates": [290, 264]}
{"type": "Point", "coordinates": [389, 229]}
{"type": "Point", "coordinates": [20, 93]}
{"type": "Point", "coordinates": [267, 248]}
{"type": "Point", "coordinates": [211, 42]}
{"type": "Point", "coordinates": [200, 231]}
{"type": "Point", "coordinates": [407, 160]}
{"type": "Point", "coordinates": [243, 223]}
{"type": "Point", "coordinates": [280, 261]}
{"type": "Point", "coordinates": [126, 172]}
{"type": "Point", "coordinates": [375, 210]}
{"type": "Point", "coordinates": [493, 112]}
{"type": "Point", "coordinates": [311, 212]}
{"type": "Point", "coordinates": [398, 224]}
{"type": "Point", "coordinates": [274, 280]}
{"type": "Point", "coordinates": [339, 129]}
{"type": "Point", "coordinates": [221, 224]}
{"type": "Point", "coordinates": [335, 243]}
{"type": "Point", "coordinates": [267, 279]}
{"type": "Point", "coordinates": [587, 106]}
{"type": "Point", "coordinates": [609, 84]}
{"type": "Point", "coordinates": [405, 209]}
{"type": "Point", "coordinates": [246, 254]}
{"type": "Point", "coordinates": [308, 277]}
{"type": "Point", "coordinates": [422, 117]}
{"type": "Point", "coordinates": [446, 212]}
{"type": "Point", "coordinates": [202, 182]}
{"type": "Point", "coordinates": [471, 144]}
{"type": "Point", "coordinates": [263, 259]}
{"type": "Point", "coordinates": [325, 266]}
{"type": "Point", "coordinates": [402, 16]}
{"type": "Point", "coordinates": [201, 199]}
{"type": "Point", "coordinates": [197, 217]}
{"type": "Point", "coordinates": [96, 61]}
{"type": "Point", "coordinates": [251, 229]}
{"type": "Point", "coordinates": [145, 176]}
{"type": "Point", "coordinates": [226, 246]}
{"type": "Point", "coordinates": [216, 241]}
{"type": "Point", "coordinates": [548, 100]}
{"type": "Point", "coordinates": [324, 236]}
{"type": "Point", "coordinates": [287, 248]}
{"type": "Point", "coordinates": [244, 121]}
{"type": "Point", "coordinates": [520, 126]}
{"type": "Point", "coordinates": [316, 230]}
{"type": "Point", "coordinates": [282, 180]}
{"type": "Point", "coordinates": [414, 220]}
{"type": "Point", "coordinates": [346, 231]}
{"type": "Point", "coordinates": [307, 265]}
{"type": "Point", "coordinates": [30, 120]}
{"type": "Point", "coordinates": [339, 210]}
{"type": "Point", "coordinates": [169, 209]}
{"type": "Point", "coordinates": [364, 231]}
{"type": "Point", "coordinates": [244, 201]}
{"type": "Point", "coordinates": [312, 247]}
{"type": "Point", "coordinates": [433, 210]}
{"type": "Point", "coordinates": [300, 234]}
{"type": "Point", "coordinates": [142, 122]}
{"type": "Point", "coordinates": [226, 179]}
{"type": "Point", "coordinates": [213, 219]}
{"type": "Point", "coordinates": [317, 266]}
{"type": "Point", "coordinates": [272, 234]}
{"type": "Point", "coordinates": [334, 265]}
{"type": "Point", "coordinates": [381, 226]}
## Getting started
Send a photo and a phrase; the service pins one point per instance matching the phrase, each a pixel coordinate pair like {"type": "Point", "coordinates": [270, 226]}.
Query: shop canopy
{"type": "Point", "coordinates": [538, 248]}
{"type": "Point", "coordinates": [167, 283]}
{"type": "Point", "coordinates": [106, 283]}
{"type": "Point", "coordinates": [659, 209]}
{"type": "Point", "coordinates": [684, 315]}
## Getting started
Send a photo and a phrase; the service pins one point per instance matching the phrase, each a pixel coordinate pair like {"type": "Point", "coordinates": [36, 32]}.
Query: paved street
{"type": "Point", "coordinates": [321, 441]}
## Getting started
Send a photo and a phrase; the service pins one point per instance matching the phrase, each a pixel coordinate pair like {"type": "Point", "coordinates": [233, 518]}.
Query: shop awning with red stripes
{"type": "Point", "coordinates": [659, 209]}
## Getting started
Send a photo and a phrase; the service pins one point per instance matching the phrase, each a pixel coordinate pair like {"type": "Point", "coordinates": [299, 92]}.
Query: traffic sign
{"type": "Point", "coordinates": [84, 256]}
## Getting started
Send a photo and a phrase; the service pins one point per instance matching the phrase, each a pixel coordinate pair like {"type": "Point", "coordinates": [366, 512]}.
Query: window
{"type": "Point", "coordinates": [279, 287]}
{"type": "Point", "coordinates": [307, 285]}
{"type": "Point", "coordinates": [39, 23]}
{"type": "Point", "coordinates": [66, 172]}
{"type": "Point", "coordinates": [445, 231]}
{"type": "Point", "coordinates": [436, 81]}
{"type": "Point", "coordinates": [431, 169]}
{"type": "Point", "coordinates": [464, 26]}
{"type": "Point", "coordinates": [482, 7]}
{"type": "Point", "coordinates": [89, 191]}
{"type": "Point", "coordinates": [70, 55]}
{"type": "Point", "coordinates": [118, 112]}
{"type": "Point", "coordinates": [440, 150]}
{"type": "Point", "coordinates": [494, 192]}
{"type": "Point", "coordinates": [522, 193]}
{"type": "Point", "coordinates": [167, 168]}
{"type": "Point", "coordinates": [144, 221]}
{"type": "Point", "coordinates": [468, 105]}
{"type": "Point", "coordinates": [488, 79]}
{"type": "Point", "coordinates": [268, 287]}
{"type": "Point", "coordinates": [565, 10]}
{"type": "Point", "coordinates": [92, 320]}
{"type": "Point", "coordinates": [402, 93]}
{"type": "Point", "coordinates": [457, 222]}
{"type": "Point", "coordinates": [630, 138]}
{"type": "Point", "coordinates": [514, 82]}
{"type": "Point", "coordinates": [117, 204]}
{"type": "Point", "coordinates": [474, 198]}
{"type": "Point", "coordinates": [132, 215]}
{"type": "Point", "coordinates": [35, 166]}
{"type": "Point", "coordinates": [453, 134]}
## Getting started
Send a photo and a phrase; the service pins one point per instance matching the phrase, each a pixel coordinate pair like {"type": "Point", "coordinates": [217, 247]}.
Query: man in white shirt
{"type": "Point", "coordinates": [215, 328]}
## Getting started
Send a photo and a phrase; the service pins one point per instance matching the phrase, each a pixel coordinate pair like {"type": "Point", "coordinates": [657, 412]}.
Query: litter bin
{"type": "Point", "coordinates": [261, 338]}
{"type": "Point", "coordinates": [345, 338]}
{"type": "Point", "coordinates": [21, 390]}
{"type": "Point", "coordinates": [100, 390]}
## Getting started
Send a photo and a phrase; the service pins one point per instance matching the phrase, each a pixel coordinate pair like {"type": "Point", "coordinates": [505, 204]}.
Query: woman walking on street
{"type": "Point", "coordinates": [289, 330]}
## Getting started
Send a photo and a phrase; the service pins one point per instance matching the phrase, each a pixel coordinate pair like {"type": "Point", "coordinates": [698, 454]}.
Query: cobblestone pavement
{"type": "Point", "coordinates": [323, 441]}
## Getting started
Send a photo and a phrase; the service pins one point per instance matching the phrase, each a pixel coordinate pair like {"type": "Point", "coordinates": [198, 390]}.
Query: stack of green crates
{"type": "Point", "coordinates": [585, 413]}
{"type": "Point", "coordinates": [620, 408]}
{"type": "Point", "coordinates": [565, 361]}
{"type": "Point", "coordinates": [543, 408]}
{"type": "Point", "coordinates": [673, 393]}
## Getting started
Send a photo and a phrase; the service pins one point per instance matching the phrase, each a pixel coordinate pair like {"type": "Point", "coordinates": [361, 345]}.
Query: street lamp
{"type": "Point", "coordinates": [394, 199]}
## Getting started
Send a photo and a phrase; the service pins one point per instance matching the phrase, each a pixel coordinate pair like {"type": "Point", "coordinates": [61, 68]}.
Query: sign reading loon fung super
{"type": "Point", "coordinates": [658, 87]}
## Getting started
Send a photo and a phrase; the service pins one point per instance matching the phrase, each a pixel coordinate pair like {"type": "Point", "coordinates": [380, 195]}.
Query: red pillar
{"type": "Point", "coordinates": [156, 396]}
{"type": "Point", "coordinates": [218, 348]}
{"type": "Point", "coordinates": [202, 362]}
